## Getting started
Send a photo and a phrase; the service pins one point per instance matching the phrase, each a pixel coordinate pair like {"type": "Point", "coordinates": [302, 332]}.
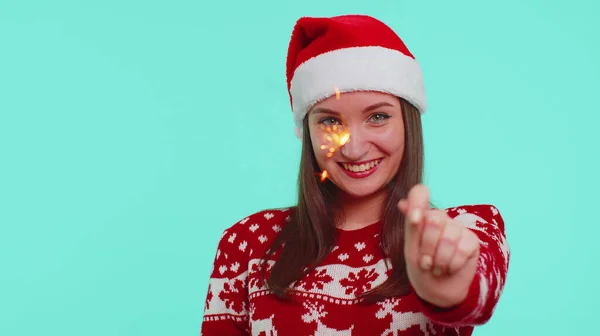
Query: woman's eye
{"type": "Point", "coordinates": [379, 117]}
{"type": "Point", "coordinates": [330, 121]}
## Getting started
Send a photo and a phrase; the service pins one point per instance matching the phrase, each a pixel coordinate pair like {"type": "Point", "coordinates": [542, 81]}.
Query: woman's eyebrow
{"type": "Point", "coordinates": [376, 106]}
{"type": "Point", "coordinates": [323, 110]}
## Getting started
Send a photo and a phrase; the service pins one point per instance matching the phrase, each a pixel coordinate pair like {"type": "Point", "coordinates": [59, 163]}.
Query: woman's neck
{"type": "Point", "coordinates": [359, 212]}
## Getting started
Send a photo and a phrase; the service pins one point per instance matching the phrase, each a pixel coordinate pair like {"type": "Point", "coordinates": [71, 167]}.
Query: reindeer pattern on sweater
{"type": "Point", "coordinates": [326, 299]}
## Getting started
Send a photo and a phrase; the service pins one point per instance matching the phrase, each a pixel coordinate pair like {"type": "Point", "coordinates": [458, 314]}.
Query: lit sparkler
{"type": "Point", "coordinates": [334, 137]}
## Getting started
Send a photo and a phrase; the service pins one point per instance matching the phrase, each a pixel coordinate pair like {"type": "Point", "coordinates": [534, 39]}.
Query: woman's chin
{"type": "Point", "coordinates": [358, 190]}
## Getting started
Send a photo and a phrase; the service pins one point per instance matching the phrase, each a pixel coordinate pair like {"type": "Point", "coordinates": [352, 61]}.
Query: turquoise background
{"type": "Point", "coordinates": [132, 133]}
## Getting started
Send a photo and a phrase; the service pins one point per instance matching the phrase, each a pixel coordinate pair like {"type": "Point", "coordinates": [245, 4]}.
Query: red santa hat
{"type": "Point", "coordinates": [348, 53]}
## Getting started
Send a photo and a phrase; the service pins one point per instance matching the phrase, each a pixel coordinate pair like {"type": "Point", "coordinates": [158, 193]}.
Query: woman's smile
{"type": "Point", "coordinates": [360, 169]}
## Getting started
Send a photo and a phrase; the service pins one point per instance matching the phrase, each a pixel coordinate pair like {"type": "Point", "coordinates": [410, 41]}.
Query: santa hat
{"type": "Point", "coordinates": [348, 53]}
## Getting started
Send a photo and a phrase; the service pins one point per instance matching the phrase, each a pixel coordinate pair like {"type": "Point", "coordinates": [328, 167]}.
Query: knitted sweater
{"type": "Point", "coordinates": [326, 298]}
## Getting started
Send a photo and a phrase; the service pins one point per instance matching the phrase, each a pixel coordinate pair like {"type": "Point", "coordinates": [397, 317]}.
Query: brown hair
{"type": "Point", "coordinates": [310, 234]}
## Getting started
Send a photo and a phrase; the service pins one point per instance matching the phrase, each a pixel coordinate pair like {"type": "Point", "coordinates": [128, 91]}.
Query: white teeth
{"type": "Point", "coordinates": [360, 168]}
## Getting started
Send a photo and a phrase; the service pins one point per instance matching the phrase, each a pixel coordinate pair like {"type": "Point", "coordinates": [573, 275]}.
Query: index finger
{"type": "Point", "coordinates": [417, 204]}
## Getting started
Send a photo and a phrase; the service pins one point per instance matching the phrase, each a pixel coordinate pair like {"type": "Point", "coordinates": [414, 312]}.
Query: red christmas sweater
{"type": "Point", "coordinates": [326, 299]}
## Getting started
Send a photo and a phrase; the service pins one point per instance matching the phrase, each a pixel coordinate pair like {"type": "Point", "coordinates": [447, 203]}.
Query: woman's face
{"type": "Point", "coordinates": [372, 156]}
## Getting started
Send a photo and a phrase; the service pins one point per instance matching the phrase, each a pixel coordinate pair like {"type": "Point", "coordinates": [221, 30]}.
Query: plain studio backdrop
{"type": "Point", "coordinates": [132, 133]}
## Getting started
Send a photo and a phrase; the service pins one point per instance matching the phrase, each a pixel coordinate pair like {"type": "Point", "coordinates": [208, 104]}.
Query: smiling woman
{"type": "Point", "coordinates": [363, 252]}
{"type": "Point", "coordinates": [376, 142]}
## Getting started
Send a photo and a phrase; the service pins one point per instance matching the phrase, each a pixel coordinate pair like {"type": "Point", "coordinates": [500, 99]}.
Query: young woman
{"type": "Point", "coordinates": [363, 252]}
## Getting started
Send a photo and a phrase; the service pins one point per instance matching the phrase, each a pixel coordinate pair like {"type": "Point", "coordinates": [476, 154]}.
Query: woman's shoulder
{"type": "Point", "coordinates": [246, 240]}
{"type": "Point", "coordinates": [274, 218]}
{"type": "Point", "coordinates": [485, 212]}
{"type": "Point", "coordinates": [256, 230]}
{"type": "Point", "coordinates": [485, 209]}
{"type": "Point", "coordinates": [480, 217]}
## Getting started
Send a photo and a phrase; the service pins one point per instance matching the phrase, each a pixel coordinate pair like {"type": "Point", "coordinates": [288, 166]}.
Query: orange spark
{"type": "Point", "coordinates": [344, 138]}
{"type": "Point", "coordinates": [324, 175]}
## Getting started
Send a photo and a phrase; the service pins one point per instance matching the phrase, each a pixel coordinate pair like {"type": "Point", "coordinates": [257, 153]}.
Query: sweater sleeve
{"type": "Point", "coordinates": [488, 282]}
{"type": "Point", "coordinates": [226, 305]}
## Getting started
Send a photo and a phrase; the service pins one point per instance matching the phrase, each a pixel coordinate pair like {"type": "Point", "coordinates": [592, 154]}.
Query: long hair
{"type": "Point", "coordinates": [310, 234]}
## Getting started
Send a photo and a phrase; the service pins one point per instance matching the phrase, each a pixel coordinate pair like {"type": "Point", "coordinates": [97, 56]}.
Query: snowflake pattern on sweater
{"type": "Point", "coordinates": [238, 304]}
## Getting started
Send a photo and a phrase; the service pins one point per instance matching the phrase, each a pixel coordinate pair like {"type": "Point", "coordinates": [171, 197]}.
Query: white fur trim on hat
{"type": "Point", "coordinates": [355, 69]}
